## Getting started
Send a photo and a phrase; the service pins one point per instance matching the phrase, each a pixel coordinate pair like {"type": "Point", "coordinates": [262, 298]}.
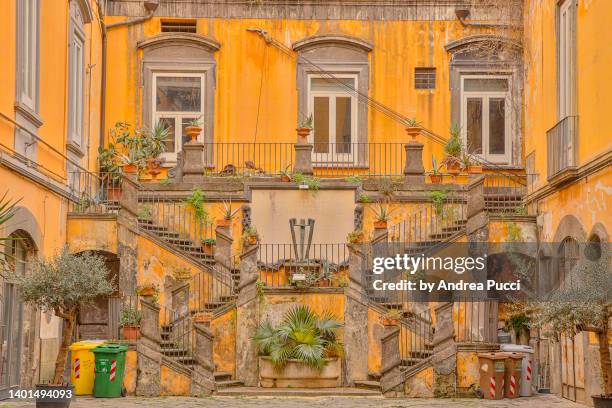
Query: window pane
{"type": "Point", "coordinates": [169, 123]}
{"type": "Point", "coordinates": [332, 84]}
{"type": "Point", "coordinates": [178, 94]}
{"type": "Point", "coordinates": [486, 85]}
{"type": "Point", "coordinates": [474, 125]}
{"type": "Point", "coordinates": [343, 125]}
{"type": "Point", "coordinates": [321, 124]}
{"type": "Point", "coordinates": [497, 126]}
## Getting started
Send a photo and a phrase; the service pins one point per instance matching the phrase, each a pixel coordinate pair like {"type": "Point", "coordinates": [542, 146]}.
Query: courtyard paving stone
{"type": "Point", "coordinates": [540, 401]}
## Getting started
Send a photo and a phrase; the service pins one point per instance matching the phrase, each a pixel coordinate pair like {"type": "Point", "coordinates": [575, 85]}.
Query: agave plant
{"type": "Point", "coordinates": [302, 335]}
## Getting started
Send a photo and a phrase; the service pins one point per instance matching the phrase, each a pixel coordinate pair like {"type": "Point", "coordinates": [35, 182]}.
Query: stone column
{"type": "Point", "coordinates": [127, 233]}
{"type": "Point", "coordinates": [203, 377]}
{"type": "Point", "coordinates": [223, 248]}
{"type": "Point", "coordinates": [477, 218]}
{"type": "Point", "coordinates": [356, 318]}
{"type": "Point", "coordinates": [247, 316]}
{"type": "Point", "coordinates": [381, 235]}
{"type": "Point", "coordinates": [303, 158]}
{"type": "Point", "coordinates": [414, 170]}
{"type": "Point", "coordinates": [148, 347]}
{"type": "Point", "coordinates": [193, 162]}
{"type": "Point", "coordinates": [180, 297]}
{"type": "Point", "coordinates": [444, 359]}
{"type": "Point", "coordinates": [391, 380]}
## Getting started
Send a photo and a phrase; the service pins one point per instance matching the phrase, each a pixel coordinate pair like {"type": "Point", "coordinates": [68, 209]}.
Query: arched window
{"type": "Point", "coordinates": [568, 256]}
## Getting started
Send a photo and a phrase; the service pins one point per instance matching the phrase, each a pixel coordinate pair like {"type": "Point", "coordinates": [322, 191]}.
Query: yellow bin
{"type": "Point", "coordinates": [82, 365]}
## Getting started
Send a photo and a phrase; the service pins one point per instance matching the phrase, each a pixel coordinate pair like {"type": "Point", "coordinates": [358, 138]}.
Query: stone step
{"type": "Point", "coordinates": [297, 392]}
{"type": "Point", "coordinates": [368, 385]}
{"type": "Point", "coordinates": [410, 361]}
{"type": "Point", "coordinates": [223, 375]}
{"type": "Point", "coordinates": [228, 383]}
{"type": "Point", "coordinates": [174, 352]}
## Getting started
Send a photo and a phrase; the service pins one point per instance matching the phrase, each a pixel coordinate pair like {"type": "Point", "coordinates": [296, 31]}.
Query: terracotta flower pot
{"type": "Point", "coordinates": [153, 166]}
{"type": "Point", "coordinates": [193, 132]}
{"type": "Point", "coordinates": [208, 249]}
{"type": "Point", "coordinates": [130, 168]}
{"type": "Point", "coordinates": [474, 169]}
{"type": "Point", "coordinates": [49, 389]}
{"type": "Point", "coordinates": [303, 134]}
{"type": "Point", "coordinates": [388, 321]}
{"type": "Point", "coordinates": [202, 317]}
{"type": "Point", "coordinates": [113, 193]}
{"type": "Point", "coordinates": [222, 222]}
{"type": "Point", "coordinates": [252, 239]}
{"type": "Point", "coordinates": [285, 178]}
{"type": "Point", "coordinates": [435, 178]}
{"type": "Point", "coordinates": [453, 168]}
{"type": "Point", "coordinates": [380, 224]}
{"type": "Point", "coordinates": [131, 333]}
{"type": "Point", "coordinates": [413, 132]}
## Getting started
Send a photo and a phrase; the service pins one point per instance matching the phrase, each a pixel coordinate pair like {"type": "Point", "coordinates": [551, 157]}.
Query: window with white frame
{"type": "Point", "coordinates": [27, 53]}
{"type": "Point", "coordinates": [333, 106]}
{"type": "Point", "coordinates": [565, 58]}
{"type": "Point", "coordinates": [486, 116]}
{"type": "Point", "coordinates": [178, 99]}
{"type": "Point", "coordinates": [76, 74]}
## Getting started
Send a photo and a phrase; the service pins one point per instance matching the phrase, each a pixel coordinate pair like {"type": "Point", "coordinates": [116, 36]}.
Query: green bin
{"type": "Point", "coordinates": [109, 370]}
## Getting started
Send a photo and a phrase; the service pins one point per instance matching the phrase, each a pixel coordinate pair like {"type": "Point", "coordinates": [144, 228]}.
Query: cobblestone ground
{"type": "Point", "coordinates": [547, 401]}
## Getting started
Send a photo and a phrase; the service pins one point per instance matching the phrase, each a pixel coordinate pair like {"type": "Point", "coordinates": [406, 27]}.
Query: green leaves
{"type": "Point", "coordinates": [302, 335]}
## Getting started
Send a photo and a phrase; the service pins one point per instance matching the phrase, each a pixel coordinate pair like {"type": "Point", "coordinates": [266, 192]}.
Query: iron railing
{"type": "Point", "coordinates": [177, 336]}
{"type": "Point", "coordinates": [213, 288]}
{"type": "Point", "coordinates": [416, 337]}
{"type": "Point", "coordinates": [475, 320]}
{"type": "Point", "coordinates": [505, 192]}
{"type": "Point", "coordinates": [562, 146]}
{"type": "Point", "coordinates": [328, 159]}
{"type": "Point", "coordinates": [95, 193]}
{"type": "Point", "coordinates": [284, 265]}
{"type": "Point", "coordinates": [116, 306]}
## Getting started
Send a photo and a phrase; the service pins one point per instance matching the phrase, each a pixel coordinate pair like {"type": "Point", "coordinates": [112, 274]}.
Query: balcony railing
{"type": "Point", "coordinates": [562, 147]}
{"type": "Point", "coordinates": [328, 159]}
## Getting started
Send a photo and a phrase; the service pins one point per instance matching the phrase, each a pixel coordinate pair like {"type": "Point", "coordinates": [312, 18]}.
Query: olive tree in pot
{"type": "Point", "coordinates": [302, 351]}
{"type": "Point", "coordinates": [583, 303]}
{"type": "Point", "coordinates": [63, 284]}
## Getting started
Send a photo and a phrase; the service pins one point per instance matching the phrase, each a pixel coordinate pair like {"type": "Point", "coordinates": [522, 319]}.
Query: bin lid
{"type": "Point", "coordinates": [111, 348]}
{"type": "Point", "coordinates": [518, 348]}
{"type": "Point", "coordinates": [86, 344]}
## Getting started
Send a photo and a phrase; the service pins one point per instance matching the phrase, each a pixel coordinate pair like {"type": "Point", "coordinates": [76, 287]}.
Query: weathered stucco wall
{"type": "Point", "coordinates": [224, 343]}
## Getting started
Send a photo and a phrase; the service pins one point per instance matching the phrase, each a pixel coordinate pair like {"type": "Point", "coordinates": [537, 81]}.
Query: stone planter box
{"type": "Point", "coordinates": [298, 375]}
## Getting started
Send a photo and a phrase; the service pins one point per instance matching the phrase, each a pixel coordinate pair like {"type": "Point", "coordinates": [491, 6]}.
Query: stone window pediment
{"type": "Point", "coordinates": [179, 45]}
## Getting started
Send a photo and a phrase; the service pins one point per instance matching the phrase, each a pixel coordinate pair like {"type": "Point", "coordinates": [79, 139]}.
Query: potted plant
{"type": "Point", "coordinates": [413, 128]}
{"type": "Point", "coordinates": [147, 289]}
{"type": "Point", "coordinates": [302, 351]}
{"type": "Point", "coordinates": [129, 321]}
{"type": "Point", "coordinates": [453, 151]}
{"type": "Point", "coordinates": [438, 198]}
{"type": "Point", "coordinates": [382, 216]}
{"type": "Point", "coordinates": [145, 212]}
{"type": "Point", "coordinates": [435, 176]}
{"type": "Point", "coordinates": [286, 174]}
{"type": "Point", "coordinates": [582, 303]}
{"type": "Point", "coordinates": [193, 129]}
{"type": "Point", "coordinates": [392, 317]}
{"type": "Point", "coordinates": [154, 144]}
{"type": "Point", "coordinates": [63, 284]}
{"type": "Point", "coordinates": [110, 171]}
{"type": "Point", "coordinates": [195, 200]}
{"type": "Point", "coordinates": [355, 237]}
{"type": "Point", "coordinates": [228, 214]}
{"type": "Point", "coordinates": [202, 317]}
{"type": "Point", "coordinates": [250, 236]}
{"type": "Point", "coordinates": [208, 246]}
{"type": "Point", "coordinates": [304, 128]}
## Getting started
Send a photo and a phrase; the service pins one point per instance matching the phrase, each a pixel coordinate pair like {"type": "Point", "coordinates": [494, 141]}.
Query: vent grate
{"type": "Point", "coordinates": [424, 78]}
{"type": "Point", "coordinates": [178, 26]}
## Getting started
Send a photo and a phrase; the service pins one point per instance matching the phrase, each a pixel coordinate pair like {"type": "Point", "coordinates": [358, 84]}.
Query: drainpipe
{"type": "Point", "coordinates": [462, 14]}
{"type": "Point", "coordinates": [150, 6]}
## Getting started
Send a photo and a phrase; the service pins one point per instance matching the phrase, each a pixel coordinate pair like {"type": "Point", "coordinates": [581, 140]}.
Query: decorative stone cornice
{"type": "Point", "coordinates": [168, 39]}
{"type": "Point", "coordinates": [456, 45]}
{"type": "Point", "coordinates": [332, 39]}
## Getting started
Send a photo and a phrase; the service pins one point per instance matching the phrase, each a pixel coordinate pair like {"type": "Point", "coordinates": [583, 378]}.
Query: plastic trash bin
{"type": "Point", "coordinates": [527, 366]}
{"type": "Point", "coordinates": [492, 371]}
{"type": "Point", "coordinates": [82, 362]}
{"type": "Point", "coordinates": [513, 375]}
{"type": "Point", "coordinates": [110, 370]}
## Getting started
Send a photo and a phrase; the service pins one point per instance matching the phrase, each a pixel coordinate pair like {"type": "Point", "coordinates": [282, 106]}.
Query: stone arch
{"type": "Point", "coordinates": [202, 45]}
{"type": "Point", "coordinates": [463, 43]}
{"type": "Point", "coordinates": [84, 10]}
{"type": "Point", "coordinates": [24, 223]}
{"type": "Point", "coordinates": [332, 40]}
{"type": "Point", "coordinates": [570, 226]}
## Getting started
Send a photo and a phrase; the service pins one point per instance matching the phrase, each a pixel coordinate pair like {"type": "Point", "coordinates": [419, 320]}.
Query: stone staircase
{"type": "Point", "coordinates": [174, 350]}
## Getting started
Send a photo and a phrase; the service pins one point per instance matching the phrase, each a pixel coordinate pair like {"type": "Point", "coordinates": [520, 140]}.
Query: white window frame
{"type": "Point", "coordinates": [565, 59]}
{"type": "Point", "coordinates": [76, 80]}
{"type": "Point", "coordinates": [332, 156]}
{"type": "Point", "coordinates": [27, 52]}
{"type": "Point", "coordinates": [485, 96]}
{"type": "Point", "coordinates": [178, 117]}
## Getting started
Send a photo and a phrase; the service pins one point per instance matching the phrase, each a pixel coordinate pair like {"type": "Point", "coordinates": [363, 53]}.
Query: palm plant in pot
{"type": "Point", "coordinates": [154, 145]}
{"type": "Point", "coordinates": [382, 214]}
{"type": "Point", "coordinates": [452, 148]}
{"type": "Point", "coordinates": [228, 214]}
{"type": "Point", "coordinates": [129, 321]}
{"type": "Point", "coordinates": [63, 284]}
{"type": "Point", "coordinates": [302, 351]}
{"type": "Point", "coordinates": [435, 176]}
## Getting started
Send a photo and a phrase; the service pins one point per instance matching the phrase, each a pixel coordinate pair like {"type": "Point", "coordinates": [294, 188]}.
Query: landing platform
{"type": "Point", "coordinates": [296, 392]}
